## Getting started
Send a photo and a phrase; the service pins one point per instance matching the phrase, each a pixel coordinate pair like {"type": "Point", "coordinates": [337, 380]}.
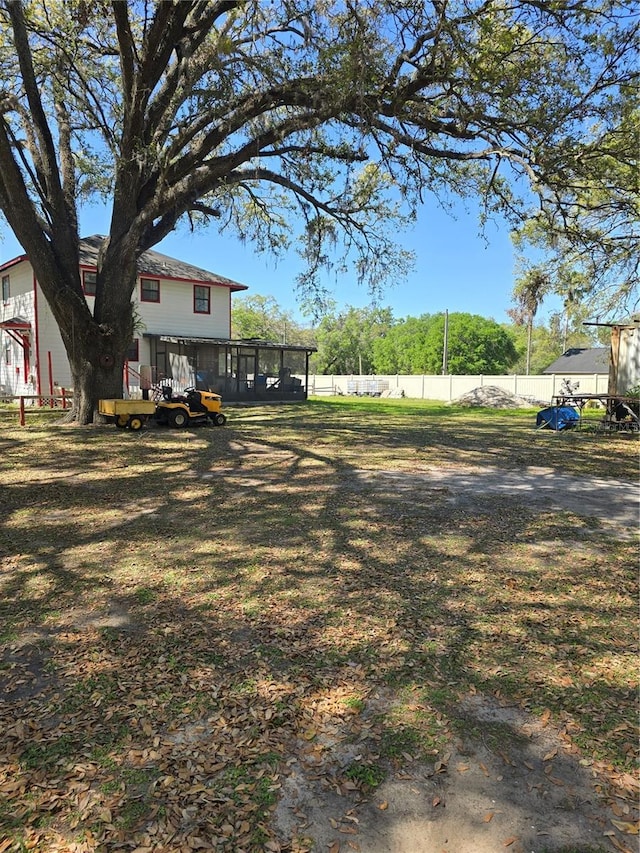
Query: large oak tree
{"type": "Point", "coordinates": [336, 116]}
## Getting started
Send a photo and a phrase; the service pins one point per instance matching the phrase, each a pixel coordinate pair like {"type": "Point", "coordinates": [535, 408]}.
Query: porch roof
{"type": "Point", "coordinates": [17, 323]}
{"type": "Point", "coordinates": [254, 343]}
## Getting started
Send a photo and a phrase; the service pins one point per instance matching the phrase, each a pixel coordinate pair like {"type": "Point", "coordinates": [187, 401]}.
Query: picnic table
{"type": "Point", "coordinates": [619, 412]}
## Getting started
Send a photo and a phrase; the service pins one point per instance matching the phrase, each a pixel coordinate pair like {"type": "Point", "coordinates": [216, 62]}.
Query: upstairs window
{"type": "Point", "coordinates": [89, 282]}
{"type": "Point", "coordinates": [6, 288]}
{"type": "Point", "coordinates": [149, 290]}
{"type": "Point", "coordinates": [201, 299]}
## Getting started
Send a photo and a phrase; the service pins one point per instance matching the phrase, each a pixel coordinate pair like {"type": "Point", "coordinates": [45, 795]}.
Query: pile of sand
{"type": "Point", "coordinates": [492, 397]}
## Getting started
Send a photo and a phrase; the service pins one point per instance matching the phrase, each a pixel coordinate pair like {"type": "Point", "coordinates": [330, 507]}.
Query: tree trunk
{"type": "Point", "coordinates": [96, 358]}
{"type": "Point", "coordinates": [96, 346]}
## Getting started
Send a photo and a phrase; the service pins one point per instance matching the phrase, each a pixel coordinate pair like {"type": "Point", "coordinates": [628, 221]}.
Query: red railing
{"type": "Point", "coordinates": [61, 400]}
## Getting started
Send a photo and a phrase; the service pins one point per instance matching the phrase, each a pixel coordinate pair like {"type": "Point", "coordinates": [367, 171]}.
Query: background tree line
{"type": "Point", "coordinates": [371, 340]}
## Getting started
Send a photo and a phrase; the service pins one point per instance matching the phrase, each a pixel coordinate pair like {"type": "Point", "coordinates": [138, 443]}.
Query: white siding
{"type": "Point", "coordinates": [13, 380]}
{"type": "Point", "coordinates": [174, 314]}
{"type": "Point", "coordinates": [52, 350]}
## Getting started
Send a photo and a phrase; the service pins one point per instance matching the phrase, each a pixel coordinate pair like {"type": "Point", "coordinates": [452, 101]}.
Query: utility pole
{"type": "Point", "coordinates": [445, 348]}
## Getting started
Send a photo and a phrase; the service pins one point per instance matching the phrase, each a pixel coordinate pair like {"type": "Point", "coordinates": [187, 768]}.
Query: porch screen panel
{"type": "Point", "coordinates": [295, 361]}
{"type": "Point", "coordinates": [209, 372]}
{"type": "Point", "coordinates": [269, 361]}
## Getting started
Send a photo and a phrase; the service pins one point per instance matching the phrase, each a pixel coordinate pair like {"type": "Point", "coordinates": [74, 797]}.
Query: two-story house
{"type": "Point", "coordinates": [183, 334]}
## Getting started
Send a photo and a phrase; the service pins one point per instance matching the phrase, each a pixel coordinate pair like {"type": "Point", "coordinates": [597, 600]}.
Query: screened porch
{"type": "Point", "coordinates": [248, 370]}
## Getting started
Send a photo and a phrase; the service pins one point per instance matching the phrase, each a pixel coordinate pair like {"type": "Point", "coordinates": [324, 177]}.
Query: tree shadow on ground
{"type": "Point", "coordinates": [188, 613]}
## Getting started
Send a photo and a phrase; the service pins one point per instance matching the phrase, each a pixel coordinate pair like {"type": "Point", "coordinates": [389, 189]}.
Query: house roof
{"type": "Point", "coordinates": [150, 263]}
{"type": "Point", "coordinates": [156, 264]}
{"type": "Point", "coordinates": [585, 360]}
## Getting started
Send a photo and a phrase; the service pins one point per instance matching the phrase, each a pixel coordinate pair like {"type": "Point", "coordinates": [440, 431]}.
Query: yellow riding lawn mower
{"type": "Point", "coordinates": [190, 407]}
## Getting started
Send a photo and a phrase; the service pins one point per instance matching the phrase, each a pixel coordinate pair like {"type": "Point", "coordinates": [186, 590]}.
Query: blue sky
{"type": "Point", "coordinates": [457, 268]}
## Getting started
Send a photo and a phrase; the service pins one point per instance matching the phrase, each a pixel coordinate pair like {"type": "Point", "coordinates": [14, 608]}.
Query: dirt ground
{"type": "Point", "coordinates": [530, 795]}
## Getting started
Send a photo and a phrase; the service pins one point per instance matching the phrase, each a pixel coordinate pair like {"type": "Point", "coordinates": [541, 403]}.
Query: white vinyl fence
{"type": "Point", "coordinates": [536, 388]}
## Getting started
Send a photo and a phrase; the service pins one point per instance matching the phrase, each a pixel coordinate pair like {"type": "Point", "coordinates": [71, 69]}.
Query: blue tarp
{"type": "Point", "coordinates": [557, 417]}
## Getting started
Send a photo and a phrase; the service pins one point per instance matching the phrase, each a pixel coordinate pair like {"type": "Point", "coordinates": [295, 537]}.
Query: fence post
{"type": "Point", "coordinates": [22, 421]}
{"type": "Point", "coordinates": [50, 363]}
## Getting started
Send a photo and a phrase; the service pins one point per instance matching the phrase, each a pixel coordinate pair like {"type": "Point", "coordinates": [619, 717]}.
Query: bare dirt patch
{"type": "Point", "coordinates": [513, 784]}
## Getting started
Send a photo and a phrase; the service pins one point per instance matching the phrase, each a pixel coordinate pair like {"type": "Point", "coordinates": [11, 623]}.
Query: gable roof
{"type": "Point", "coordinates": [581, 360]}
{"type": "Point", "coordinates": [156, 264]}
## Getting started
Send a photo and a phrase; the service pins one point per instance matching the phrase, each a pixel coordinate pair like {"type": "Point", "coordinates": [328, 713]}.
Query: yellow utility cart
{"type": "Point", "coordinates": [127, 414]}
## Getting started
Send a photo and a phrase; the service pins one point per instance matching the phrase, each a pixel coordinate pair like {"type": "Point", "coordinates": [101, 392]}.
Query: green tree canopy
{"type": "Point", "coordinates": [403, 348]}
{"type": "Point", "coordinates": [346, 340]}
{"type": "Point", "coordinates": [474, 345]}
{"type": "Point", "coordinates": [322, 121]}
{"type": "Point", "coordinates": [262, 317]}
{"type": "Point", "coordinates": [589, 247]}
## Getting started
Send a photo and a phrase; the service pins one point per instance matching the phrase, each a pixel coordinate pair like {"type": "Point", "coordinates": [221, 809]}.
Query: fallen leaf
{"type": "Point", "coordinates": [509, 841]}
{"type": "Point", "coordinates": [334, 847]}
{"type": "Point", "coordinates": [551, 754]}
{"type": "Point", "coordinates": [383, 806]}
{"type": "Point", "coordinates": [627, 826]}
{"type": "Point", "coordinates": [619, 845]}
{"type": "Point", "coordinates": [488, 817]}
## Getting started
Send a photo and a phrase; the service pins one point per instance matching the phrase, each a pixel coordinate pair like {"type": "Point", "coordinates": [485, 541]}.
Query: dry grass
{"type": "Point", "coordinates": [182, 610]}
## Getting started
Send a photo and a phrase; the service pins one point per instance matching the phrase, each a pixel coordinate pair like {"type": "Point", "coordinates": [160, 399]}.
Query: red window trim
{"type": "Point", "coordinates": [142, 296]}
{"type": "Point", "coordinates": [202, 287]}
